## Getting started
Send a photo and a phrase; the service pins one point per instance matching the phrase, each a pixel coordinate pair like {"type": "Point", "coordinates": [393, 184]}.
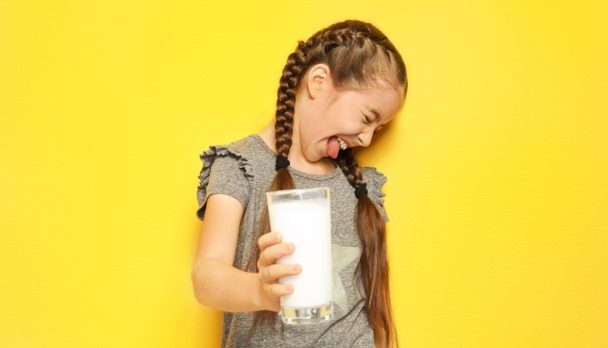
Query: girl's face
{"type": "Point", "coordinates": [334, 119]}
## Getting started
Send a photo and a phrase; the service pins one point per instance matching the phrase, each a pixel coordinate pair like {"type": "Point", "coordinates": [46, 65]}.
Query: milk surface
{"type": "Point", "coordinates": [307, 224]}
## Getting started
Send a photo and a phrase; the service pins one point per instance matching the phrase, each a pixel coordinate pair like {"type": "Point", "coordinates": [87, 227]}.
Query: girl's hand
{"type": "Point", "coordinates": [271, 249]}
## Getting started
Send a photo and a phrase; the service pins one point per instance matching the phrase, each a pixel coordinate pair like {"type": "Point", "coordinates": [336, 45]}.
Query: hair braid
{"type": "Point", "coordinates": [286, 98]}
{"type": "Point", "coordinates": [373, 263]}
{"type": "Point", "coordinates": [346, 161]}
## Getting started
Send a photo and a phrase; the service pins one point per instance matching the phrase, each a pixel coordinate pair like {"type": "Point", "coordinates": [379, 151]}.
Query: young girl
{"type": "Point", "coordinates": [337, 88]}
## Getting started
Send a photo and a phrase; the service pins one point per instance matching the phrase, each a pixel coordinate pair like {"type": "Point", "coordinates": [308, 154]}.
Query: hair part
{"type": "Point", "coordinates": [359, 56]}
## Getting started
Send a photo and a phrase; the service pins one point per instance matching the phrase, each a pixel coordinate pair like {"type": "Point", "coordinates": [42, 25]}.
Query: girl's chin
{"type": "Point", "coordinates": [319, 154]}
{"type": "Point", "coordinates": [315, 157]}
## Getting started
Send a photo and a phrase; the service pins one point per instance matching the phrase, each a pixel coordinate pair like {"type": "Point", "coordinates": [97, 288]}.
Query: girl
{"type": "Point", "coordinates": [337, 88]}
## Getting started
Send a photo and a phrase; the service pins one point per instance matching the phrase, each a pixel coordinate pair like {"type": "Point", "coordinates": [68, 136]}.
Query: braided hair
{"type": "Point", "coordinates": [358, 54]}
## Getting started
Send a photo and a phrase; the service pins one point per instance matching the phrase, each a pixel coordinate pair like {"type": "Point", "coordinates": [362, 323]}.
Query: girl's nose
{"type": "Point", "coordinates": [365, 138]}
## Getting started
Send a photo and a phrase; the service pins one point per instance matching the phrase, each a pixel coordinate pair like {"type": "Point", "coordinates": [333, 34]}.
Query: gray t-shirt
{"type": "Point", "coordinates": [244, 170]}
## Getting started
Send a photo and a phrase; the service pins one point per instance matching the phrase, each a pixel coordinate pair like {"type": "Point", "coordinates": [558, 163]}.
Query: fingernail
{"type": "Point", "coordinates": [290, 247]}
{"type": "Point", "coordinates": [297, 268]}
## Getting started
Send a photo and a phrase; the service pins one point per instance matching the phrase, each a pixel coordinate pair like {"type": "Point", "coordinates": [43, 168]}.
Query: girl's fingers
{"type": "Point", "coordinates": [274, 252]}
{"type": "Point", "coordinates": [278, 290]}
{"type": "Point", "coordinates": [272, 273]}
{"type": "Point", "coordinates": [268, 239]}
{"type": "Point", "coordinates": [271, 249]}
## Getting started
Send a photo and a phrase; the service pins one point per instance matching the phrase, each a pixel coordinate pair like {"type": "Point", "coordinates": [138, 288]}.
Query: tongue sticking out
{"type": "Point", "coordinates": [333, 147]}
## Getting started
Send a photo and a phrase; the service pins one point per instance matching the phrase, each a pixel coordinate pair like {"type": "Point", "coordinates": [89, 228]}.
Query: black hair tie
{"type": "Point", "coordinates": [361, 190]}
{"type": "Point", "coordinates": [282, 162]}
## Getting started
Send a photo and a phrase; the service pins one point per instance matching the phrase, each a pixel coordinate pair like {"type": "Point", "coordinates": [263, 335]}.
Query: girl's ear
{"type": "Point", "coordinates": [318, 80]}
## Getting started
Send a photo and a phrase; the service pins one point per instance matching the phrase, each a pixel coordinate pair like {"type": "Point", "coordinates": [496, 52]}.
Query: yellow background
{"type": "Point", "coordinates": [497, 165]}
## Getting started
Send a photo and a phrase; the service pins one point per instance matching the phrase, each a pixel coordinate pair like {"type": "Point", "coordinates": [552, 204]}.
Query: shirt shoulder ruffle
{"type": "Point", "coordinates": [375, 180]}
{"type": "Point", "coordinates": [237, 152]}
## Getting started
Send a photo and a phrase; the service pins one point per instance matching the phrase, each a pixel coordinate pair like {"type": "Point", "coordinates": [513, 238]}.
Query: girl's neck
{"type": "Point", "coordinates": [295, 157]}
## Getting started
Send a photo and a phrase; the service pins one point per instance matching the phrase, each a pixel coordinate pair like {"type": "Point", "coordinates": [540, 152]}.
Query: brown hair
{"type": "Point", "coordinates": [359, 56]}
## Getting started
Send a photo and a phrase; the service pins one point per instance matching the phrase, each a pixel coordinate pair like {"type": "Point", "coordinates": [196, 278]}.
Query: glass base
{"type": "Point", "coordinates": [309, 315]}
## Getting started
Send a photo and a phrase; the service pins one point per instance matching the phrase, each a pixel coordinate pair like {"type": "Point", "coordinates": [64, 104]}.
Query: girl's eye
{"type": "Point", "coordinates": [367, 119]}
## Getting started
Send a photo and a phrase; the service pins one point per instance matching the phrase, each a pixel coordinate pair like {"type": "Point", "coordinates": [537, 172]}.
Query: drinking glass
{"type": "Point", "coordinates": [303, 217]}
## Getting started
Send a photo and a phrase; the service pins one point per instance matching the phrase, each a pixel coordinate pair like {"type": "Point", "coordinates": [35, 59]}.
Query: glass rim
{"type": "Point", "coordinates": [298, 193]}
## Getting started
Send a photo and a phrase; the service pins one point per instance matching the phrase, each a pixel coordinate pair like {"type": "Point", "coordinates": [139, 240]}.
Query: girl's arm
{"type": "Point", "coordinates": [217, 284]}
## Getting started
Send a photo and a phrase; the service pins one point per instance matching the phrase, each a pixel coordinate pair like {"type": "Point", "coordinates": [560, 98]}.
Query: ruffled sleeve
{"type": "Point", "coordinates": [224, 171]}
{"type": "Point", "coordinates": [375, 180]}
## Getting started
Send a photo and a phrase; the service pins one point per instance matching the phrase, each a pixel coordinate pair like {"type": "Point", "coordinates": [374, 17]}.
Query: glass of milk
{"type": "Point", "coordinates": [303, 217]}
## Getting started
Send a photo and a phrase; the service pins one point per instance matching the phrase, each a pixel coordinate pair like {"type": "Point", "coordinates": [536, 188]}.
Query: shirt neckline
{"type": "Point", "coordinates": [293, 170]}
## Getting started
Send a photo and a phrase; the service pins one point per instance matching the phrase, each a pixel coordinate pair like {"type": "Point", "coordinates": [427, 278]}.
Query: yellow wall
{"type": "Point", "coordinates": [497, 165]}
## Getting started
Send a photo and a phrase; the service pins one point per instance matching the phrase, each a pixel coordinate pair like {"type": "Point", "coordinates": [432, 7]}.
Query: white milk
{"type": "Point", "coordinates": [306, 224]}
